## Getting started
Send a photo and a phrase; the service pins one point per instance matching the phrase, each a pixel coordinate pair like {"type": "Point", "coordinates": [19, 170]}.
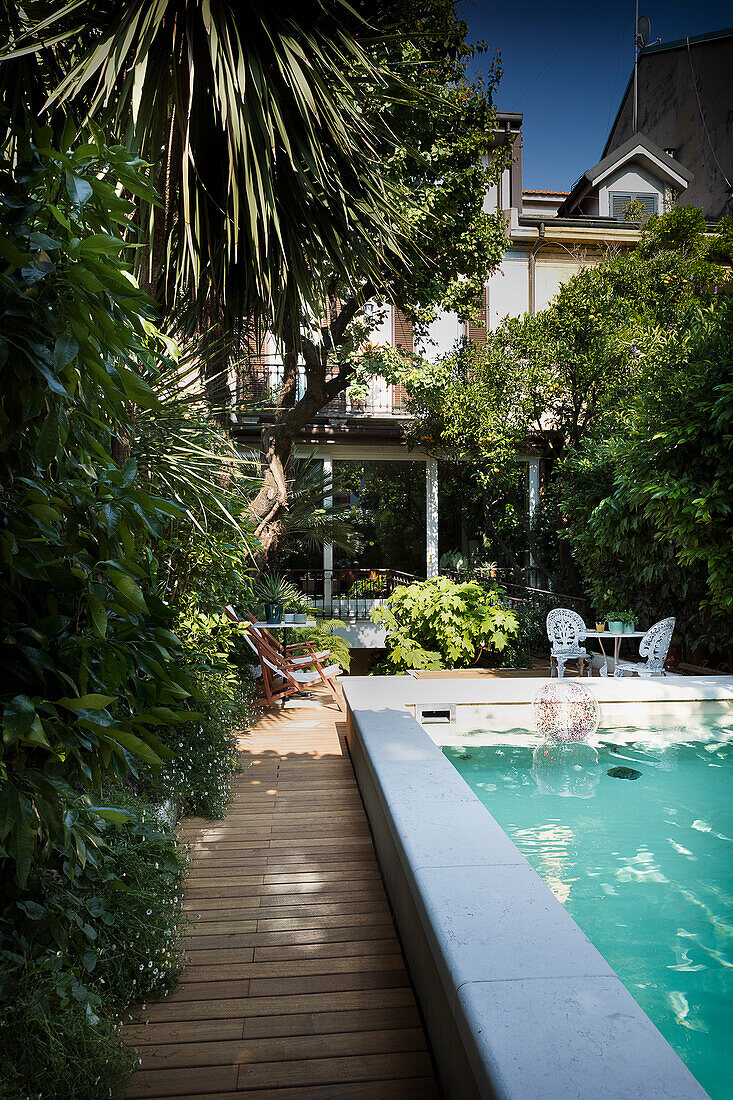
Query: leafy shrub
{"type": "Point", "coordinates": [78, 944]}
{"type": "Point", "coordinates": [91, 666]}
{"type": "Point", "coordinates": [49, 1049]}
{"type": "Point", "coordinates": [439, 623]}
{"type": "Point", "coordinates": [106, 641]}
{"type": "Point", "coordinates": [198, 777]}
{"type": "Point", "coordinates": [649, 510]}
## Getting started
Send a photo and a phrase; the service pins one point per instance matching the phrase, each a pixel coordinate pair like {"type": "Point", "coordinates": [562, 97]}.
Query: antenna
{"type": "Point", "coordinates": [642, 30]}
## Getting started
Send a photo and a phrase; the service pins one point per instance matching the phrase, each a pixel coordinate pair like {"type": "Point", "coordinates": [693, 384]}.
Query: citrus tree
{"type": "Point", "coordinates": [609, 353]}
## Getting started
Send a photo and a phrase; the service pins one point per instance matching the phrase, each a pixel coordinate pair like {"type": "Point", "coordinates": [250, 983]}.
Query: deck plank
{"type": "Point", "coordinates": [294, 985]}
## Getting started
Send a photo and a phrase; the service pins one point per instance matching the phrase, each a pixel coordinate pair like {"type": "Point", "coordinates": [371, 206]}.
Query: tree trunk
{"type": "Point", "coordinates": [294, 413]}
{"type": "Point", "coordinates": [271, 502]}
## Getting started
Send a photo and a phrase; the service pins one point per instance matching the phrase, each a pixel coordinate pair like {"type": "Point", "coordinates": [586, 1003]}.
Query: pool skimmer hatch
{"type": "Point", "coordinates": [432, 714]}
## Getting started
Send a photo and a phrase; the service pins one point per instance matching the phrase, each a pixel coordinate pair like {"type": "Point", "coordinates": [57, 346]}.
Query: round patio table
{"type": "Point", "coordinates": [617, 640]}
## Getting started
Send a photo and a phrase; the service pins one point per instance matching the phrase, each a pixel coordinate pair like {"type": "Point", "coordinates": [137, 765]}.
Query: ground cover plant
{"type": "Point", "coordinates": [78, 945]}
{"type": "Point", "coordinates": [439, 623]}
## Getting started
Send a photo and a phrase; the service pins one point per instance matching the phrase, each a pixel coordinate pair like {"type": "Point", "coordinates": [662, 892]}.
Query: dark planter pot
{"type": "Point", "coordinates": [273, 613]}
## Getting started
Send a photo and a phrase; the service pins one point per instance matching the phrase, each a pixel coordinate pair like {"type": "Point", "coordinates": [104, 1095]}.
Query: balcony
{"type": "Point", "coordinates": [258, 385]}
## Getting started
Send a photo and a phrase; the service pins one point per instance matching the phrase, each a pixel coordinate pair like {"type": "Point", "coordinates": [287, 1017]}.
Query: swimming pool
{"type": "Point", "coordinates": [642, 862]}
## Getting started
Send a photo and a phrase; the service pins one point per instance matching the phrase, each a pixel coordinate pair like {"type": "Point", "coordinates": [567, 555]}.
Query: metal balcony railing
{"type": "Point", "coordinates": [348, 593]}
{"type": "Point", "coordinates": [258, 385]}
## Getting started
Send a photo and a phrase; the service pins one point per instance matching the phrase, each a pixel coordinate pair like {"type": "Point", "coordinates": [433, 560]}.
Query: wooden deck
{"type": "Point", "coordinates": [295, 985]}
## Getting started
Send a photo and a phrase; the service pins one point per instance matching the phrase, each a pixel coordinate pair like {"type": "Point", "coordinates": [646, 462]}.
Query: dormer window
{"type": "Point", "coordinates": [619, 200]}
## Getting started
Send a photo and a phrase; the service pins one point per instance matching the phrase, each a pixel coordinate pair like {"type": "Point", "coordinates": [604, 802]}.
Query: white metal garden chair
{"type": "Point", "coordinates": [565, 631]}
{"type": "Point", "coordinates": [655, 647]}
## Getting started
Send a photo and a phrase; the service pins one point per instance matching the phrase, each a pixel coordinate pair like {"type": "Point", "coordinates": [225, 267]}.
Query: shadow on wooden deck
{"type": "Point", "coordinates": [295, 985]}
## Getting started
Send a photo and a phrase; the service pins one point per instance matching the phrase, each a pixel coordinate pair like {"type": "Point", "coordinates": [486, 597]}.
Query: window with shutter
{"type": "Point", "coordinates": [402, 335]}
{"type": "Point", "coordinates": [399, 398]}
{"type": "Point", "coordinates": [478, 322]}
{"type": "Point", "coordinates": [621, 199]}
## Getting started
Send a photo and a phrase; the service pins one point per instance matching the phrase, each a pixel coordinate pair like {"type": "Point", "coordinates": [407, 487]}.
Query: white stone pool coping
{"type": "Point", "coordinates": [518, 1003]}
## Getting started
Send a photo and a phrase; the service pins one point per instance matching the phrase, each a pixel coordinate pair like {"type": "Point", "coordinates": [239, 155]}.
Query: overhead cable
{"type": "Point", "coordinates": [702, 118]}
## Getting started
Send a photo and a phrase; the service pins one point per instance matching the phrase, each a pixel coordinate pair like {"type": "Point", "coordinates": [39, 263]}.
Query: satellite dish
{"type": "Point", "coordinates": [643, 30]}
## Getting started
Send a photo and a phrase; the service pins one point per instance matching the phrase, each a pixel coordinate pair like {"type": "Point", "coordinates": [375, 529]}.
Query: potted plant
{"type": "Point", "coordinates": [629, 618]}
{"type": "Point", "coordinates": [615, 621]}
{"type": "Point", "coordinates": [273, 591]}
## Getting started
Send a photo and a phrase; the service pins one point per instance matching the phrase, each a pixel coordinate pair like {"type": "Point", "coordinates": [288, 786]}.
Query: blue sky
{"type": "Point", "coordinates": [566, 65]}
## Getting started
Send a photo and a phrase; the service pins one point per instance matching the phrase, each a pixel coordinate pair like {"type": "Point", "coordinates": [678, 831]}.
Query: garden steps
{"type": "Point", "coordinates": [294, 985]}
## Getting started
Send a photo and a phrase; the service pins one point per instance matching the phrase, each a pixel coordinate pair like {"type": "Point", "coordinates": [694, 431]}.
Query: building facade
{"type": "Point", "coordinates": [685, 107]}
{"type": "Point", "coordinates": [543, 251]}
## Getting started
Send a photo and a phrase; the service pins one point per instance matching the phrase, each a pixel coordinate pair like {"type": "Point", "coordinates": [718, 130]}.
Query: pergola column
{"type": "Point", "coordinates": [533, 500]}
{"type": "Point", "coordinates": [431, 517]}
{"type": "Point", "coordinates": [327, 546]}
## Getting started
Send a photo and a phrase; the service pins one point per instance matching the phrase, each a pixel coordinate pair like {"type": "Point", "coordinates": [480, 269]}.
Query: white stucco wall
{"type": "Point", "coordinates": [382, 334]}
{"type": "Point", "coordinates": [551, 272]}
{"type": "Point", "coordinates": [509, 288]}
{"type": "Point", "coordinates": [491, 199]}
{"type": "Point", "coordinates": [442, 336]}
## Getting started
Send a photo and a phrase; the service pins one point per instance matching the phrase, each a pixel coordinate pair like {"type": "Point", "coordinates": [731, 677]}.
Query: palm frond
{"type": "Point", "coordinates": [250, 113]}
{"type": "Point", "coordinates": [308, 520]}
{"type": "Point", "coordinates": [181, 447]}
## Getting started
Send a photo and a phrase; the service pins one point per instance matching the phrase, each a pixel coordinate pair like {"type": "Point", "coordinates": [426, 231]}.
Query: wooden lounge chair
{"type": "Point", "coordinates": [293, 677]}
{"type": "Point", "coordinates": [274, 643]}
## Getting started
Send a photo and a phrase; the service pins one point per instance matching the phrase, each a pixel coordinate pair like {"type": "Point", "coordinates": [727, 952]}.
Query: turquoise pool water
{"type": "Point", "coordinates": [644, 866]}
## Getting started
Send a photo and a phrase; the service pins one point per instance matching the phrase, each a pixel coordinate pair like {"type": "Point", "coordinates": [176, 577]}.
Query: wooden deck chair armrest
{"type": "Point", "coordinates": [318, 662]}
{"type": "Point", "coordinates": [307, 658]}
{"type": "Point", "coordinates": [310, 649]}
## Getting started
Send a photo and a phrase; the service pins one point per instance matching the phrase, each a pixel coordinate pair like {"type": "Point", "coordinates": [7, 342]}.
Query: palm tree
{"type": "Point", "coordinates": [249, 113]}
{"type": "Point", "coordinates": [308, 520]}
